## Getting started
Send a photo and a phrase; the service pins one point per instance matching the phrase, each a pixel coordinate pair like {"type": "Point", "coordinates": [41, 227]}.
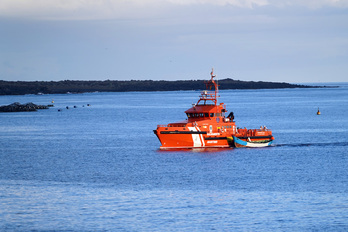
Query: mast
{"type": "Point", "coordinates": [208, 95]}
{"type": "Point", "coordinates": [216, 86]}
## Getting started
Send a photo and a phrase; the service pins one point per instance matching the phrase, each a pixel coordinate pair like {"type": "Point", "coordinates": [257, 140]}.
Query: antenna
{"type": "Point", "coordinates": [212, 73]}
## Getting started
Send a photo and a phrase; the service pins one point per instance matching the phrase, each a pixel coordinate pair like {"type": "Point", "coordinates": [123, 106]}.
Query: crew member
{"type": "Point", "coordinates": [231, 116]}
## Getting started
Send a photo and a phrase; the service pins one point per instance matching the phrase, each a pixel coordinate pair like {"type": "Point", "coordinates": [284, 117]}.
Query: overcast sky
{"type": "Point", "coordinates": [259, 40]}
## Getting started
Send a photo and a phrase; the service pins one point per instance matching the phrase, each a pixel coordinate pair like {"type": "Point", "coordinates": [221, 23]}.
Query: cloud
{"type": "Point", "coordinates": [60, 9]}
{"type": "Point", "coordinates": [130, 9]}
{"type": "Point", "coordinates": [238, 3]}
{"type": "Point", "coordinates": [311, 4]}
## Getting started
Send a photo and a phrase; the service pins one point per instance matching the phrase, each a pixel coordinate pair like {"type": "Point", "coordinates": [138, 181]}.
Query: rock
{"type": "Point", "coordinates": [18, 107]}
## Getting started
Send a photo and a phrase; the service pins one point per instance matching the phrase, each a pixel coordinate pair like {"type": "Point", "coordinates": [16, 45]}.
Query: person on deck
{"type": "Point", "coordinates": [231, 116]}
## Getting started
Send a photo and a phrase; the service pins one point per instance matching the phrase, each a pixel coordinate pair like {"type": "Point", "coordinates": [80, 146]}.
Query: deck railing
{"type": "Point", "coordinates": [206, 95]}
{"type": "Point", "coordinates": [161, 125]}
{"type": "Point", "coordinates": [175, 125]}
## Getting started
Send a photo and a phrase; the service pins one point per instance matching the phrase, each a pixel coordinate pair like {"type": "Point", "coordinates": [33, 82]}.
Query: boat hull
{"type": "Point", "coordinates": [251, 143]}
{"type": "Point", "coordinates": [194, 138]}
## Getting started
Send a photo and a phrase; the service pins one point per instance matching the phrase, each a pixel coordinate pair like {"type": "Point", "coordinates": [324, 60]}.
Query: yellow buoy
{"type": "Point", "coordinates": [318, 113]}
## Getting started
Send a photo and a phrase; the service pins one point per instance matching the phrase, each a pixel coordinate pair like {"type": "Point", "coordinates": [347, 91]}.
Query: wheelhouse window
{"type": "Point", "coordinates": [198, 115]}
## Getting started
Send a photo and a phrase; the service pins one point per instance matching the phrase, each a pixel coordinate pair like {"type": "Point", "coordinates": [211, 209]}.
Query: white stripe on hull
{"type": "Point", "coordinates": [201, 137]}
{"type": "Point", "coordinates": [197, 142]}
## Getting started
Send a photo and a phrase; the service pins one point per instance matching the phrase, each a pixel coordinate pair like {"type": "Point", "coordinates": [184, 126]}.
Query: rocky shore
{"type": "Point", "coordinates": [18, 107]}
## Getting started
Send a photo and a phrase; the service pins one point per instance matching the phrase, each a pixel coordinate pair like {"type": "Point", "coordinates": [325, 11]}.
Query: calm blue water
{"type": "Point", "coordinates": [98, 168]}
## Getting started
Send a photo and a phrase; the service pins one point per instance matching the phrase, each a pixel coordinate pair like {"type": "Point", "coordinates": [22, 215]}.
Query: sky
{"type": "Point", "coordinates": [293, 41]}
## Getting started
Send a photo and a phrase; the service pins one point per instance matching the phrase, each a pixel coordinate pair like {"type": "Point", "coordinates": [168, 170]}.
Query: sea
{"type": "Point", "coordinates": [97, 166]}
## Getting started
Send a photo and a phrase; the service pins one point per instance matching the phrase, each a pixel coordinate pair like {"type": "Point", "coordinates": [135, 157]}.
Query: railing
{"type": "Point", "coordinates": [161, 126]}
{"type": "Point", "coordinates": [207, 94]}
{"type": "Point", "coordinates": [176, 125]}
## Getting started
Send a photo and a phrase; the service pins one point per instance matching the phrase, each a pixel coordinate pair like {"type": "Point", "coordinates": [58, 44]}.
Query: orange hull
{"type": "Point", "coordinates": [190, 137]}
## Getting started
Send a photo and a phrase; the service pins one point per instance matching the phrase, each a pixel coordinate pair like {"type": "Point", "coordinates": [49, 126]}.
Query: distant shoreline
{"type": "Point", "coordinates": [67, 86]}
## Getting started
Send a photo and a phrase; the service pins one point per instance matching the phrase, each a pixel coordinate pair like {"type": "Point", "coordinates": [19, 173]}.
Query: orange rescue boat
{"type": "Point", "coordinates": [207, 126]}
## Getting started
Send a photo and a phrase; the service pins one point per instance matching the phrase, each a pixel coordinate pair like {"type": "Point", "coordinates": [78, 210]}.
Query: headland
{"type": "Point", "coordinates": [70, 86]}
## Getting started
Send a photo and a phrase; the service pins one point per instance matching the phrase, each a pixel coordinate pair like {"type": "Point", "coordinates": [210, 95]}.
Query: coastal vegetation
{"type": "Point", "coordinates": [69, 86]}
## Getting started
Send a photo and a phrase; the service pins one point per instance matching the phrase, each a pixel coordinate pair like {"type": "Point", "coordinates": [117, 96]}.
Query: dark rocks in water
{"type": "Point", "coordinates": [18, 107]}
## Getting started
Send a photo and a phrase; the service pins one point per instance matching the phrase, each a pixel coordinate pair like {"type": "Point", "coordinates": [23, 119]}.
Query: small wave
{"type": "Point", "coordinates": [342, 144]}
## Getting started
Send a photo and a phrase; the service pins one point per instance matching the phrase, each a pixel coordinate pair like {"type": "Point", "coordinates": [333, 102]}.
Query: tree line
{"type": "Point", "coordinates": [69, 86]}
